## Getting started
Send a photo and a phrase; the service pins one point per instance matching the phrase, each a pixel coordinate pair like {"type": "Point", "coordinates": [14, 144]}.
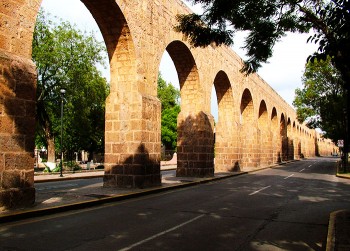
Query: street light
{"type": "Point", "coordinates": [62, 91]}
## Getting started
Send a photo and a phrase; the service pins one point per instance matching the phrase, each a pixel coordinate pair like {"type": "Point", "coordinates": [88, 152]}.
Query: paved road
{"type": "Point", "coordinates": [274, 209]}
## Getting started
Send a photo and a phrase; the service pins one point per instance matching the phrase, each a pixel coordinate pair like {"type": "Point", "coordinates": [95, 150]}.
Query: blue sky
{"type": "Point", "coordinates": [283, 72]}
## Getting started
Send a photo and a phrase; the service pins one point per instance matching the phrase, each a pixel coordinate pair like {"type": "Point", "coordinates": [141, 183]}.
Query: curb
{"type": "Point", "coordinates": [342, 176]}
{"type": "Point", "coordinates": [338, 231]}
{"type": "Point", "coordinates": [331, 231]}
{"type": "Point", "coordinates": [81, 205]}
{"type": "Point", "coordinates": [69, 178]}
{"type": "Point", "coordinates": [81, 177]}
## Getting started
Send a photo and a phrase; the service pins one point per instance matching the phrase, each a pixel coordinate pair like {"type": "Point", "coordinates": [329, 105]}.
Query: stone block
{"type": "Point", "coordinates": [11, 179]}
{"type": "Point", "coordinates": [126, 181]}
{"type": "Point", "coordinates": [6, 124]}
{"type": "Point", "coordinates": [118, 169]}
{"type": "Point", "coordinates": [24, 125]}
{"type": "Point", "coordinates": [16, 198]}
{"type": "Point", "coordinates": [17, 161]}
{"type": "Point", "coordinates": [109, 180]}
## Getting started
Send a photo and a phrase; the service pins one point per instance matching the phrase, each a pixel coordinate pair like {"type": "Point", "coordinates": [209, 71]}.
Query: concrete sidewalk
{"type": "Point", "coordinates": [66, 196]}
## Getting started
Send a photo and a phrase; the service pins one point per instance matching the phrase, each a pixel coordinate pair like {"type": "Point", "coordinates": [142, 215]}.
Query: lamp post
{"type": "Point", "coordinates": [62, 92]}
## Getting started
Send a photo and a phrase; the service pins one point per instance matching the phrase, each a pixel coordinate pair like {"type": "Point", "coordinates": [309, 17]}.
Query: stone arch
{"type": "Point", "coordinates": [195, 138]}
{"type": "Point", "coordinates": [191, 93]}
{"type": "Point", "coordinates": [247, 108]}
{"type": "Point", "coordinates": [283, 138]}
{"type": "Point", "coordinates": [119, 42]}
{"type": "Point", "coordinates": [250, 149]}
{"type": "Point", "coordinates": [120, 47]}
{"type": "Point", "coordinates": [276, 154]}
{"type": "Point", "coordinates": [264, 136]}
{"type": "Point", "coordinates": [226, 142]}
{"type": "Point", "coordinates": [129, 152]}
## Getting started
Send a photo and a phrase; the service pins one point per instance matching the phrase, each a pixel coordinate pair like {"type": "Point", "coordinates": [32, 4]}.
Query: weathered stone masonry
{"type": "Point", "coordinates": [256, 127]}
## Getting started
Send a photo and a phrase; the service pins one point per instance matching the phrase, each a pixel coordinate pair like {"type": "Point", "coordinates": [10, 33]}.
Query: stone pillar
{"type": "Point", "coordinates": [296, 148]}
{"type": "Point", "coordinates": [195, 145]}
{"type": "Point", "coordinates": [132, 141]}
{"type": "Point", "coordinates": [226, 146]}
{"type": "Point", "coordinates": [17, 128]}
{"type": "Point", "coordinates": [250, 147]}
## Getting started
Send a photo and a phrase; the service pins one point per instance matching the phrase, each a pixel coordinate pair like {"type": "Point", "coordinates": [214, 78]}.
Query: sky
{"type": "Point", "coordinates": [283, 72]}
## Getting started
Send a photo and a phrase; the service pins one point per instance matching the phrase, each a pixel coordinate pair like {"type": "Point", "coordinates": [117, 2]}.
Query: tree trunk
{"type": "Point", "coordinates": [51, 150]}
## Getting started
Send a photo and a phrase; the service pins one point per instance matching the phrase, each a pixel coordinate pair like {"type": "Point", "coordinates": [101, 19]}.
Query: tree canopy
{"type": "Point", "coordinates": [67, 58]}
{"type": "Point", "coordinates": [320, 102]}
{"type": "Point", "coordinates": [267, 21]}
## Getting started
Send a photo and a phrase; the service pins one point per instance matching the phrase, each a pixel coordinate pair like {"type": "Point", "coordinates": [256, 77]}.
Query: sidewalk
{"type": "Point", "coordinates": [66, 196]}
{"type": "Point", "coordinates": [339, 227]}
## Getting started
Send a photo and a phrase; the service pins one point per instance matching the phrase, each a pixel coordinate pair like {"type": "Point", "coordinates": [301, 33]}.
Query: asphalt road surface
{"type": "Point", "coordinates": [286, 208]}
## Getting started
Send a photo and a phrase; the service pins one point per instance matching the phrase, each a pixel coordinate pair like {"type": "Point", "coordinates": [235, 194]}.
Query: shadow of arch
{"type": "Point", "coordinates": [137, 170]}
{"type": "Point", "coordinates": [195, 151]}
{"type": "Point", "coordinates": [226, 142]}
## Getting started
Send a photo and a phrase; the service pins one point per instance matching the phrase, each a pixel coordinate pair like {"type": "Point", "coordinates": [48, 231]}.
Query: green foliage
{"type": "Point", "coordinates": [320, 102]}
{"type": "Point", "coordinates": [266, 22]}
{"type": "Point", "coordinates": [169, 98]}
{"type": "Point", "coordinates": [169, 127]}
{"type": "Point", "coordinates": [67, 58]}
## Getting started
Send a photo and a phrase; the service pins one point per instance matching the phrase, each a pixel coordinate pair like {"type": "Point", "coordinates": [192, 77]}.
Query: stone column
{"type": "Point", "coordinates": [17, 128]}
{"type": "Point", "coordinates": [195, 145]}
{"type": "Point", "coordinates": [227, 146]}
{"type": "Point", "coordinates": [132, 141]}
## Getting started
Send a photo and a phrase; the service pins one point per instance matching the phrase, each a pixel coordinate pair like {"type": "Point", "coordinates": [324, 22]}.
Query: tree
{"type": "Point", "coordinates": [67, 58]}
{"type": "Point", "coordinates": [320, 102]}
{"type": "Point", "coordinates": [169, 98]}
{"type": "Point", "coordinates": [267, 21]}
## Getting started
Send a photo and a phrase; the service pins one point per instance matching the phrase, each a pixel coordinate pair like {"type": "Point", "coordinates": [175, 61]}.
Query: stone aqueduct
{"type": "Point", "coordinates": [256, 127]}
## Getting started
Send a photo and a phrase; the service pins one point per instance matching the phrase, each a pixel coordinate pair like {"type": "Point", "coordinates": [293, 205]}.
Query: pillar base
{"type": "Point", "coordinates": [195, 172]}
{"type": "Point", "coordinates": [17, 198]}
{"type": "Point", "coordinates": [132, 176]}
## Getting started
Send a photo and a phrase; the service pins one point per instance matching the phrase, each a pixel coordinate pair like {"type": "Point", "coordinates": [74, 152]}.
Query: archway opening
{"type": "Point", "coordinates": [121, 129]}
{"type": "Point", "coordinates": [195, 136]}
{"type": "Point", "coordinates": [226, 157]}
{"type": "Point", "coordinates": [83, 72]}
{"type": "Point", "coordinates": [169, 96]}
